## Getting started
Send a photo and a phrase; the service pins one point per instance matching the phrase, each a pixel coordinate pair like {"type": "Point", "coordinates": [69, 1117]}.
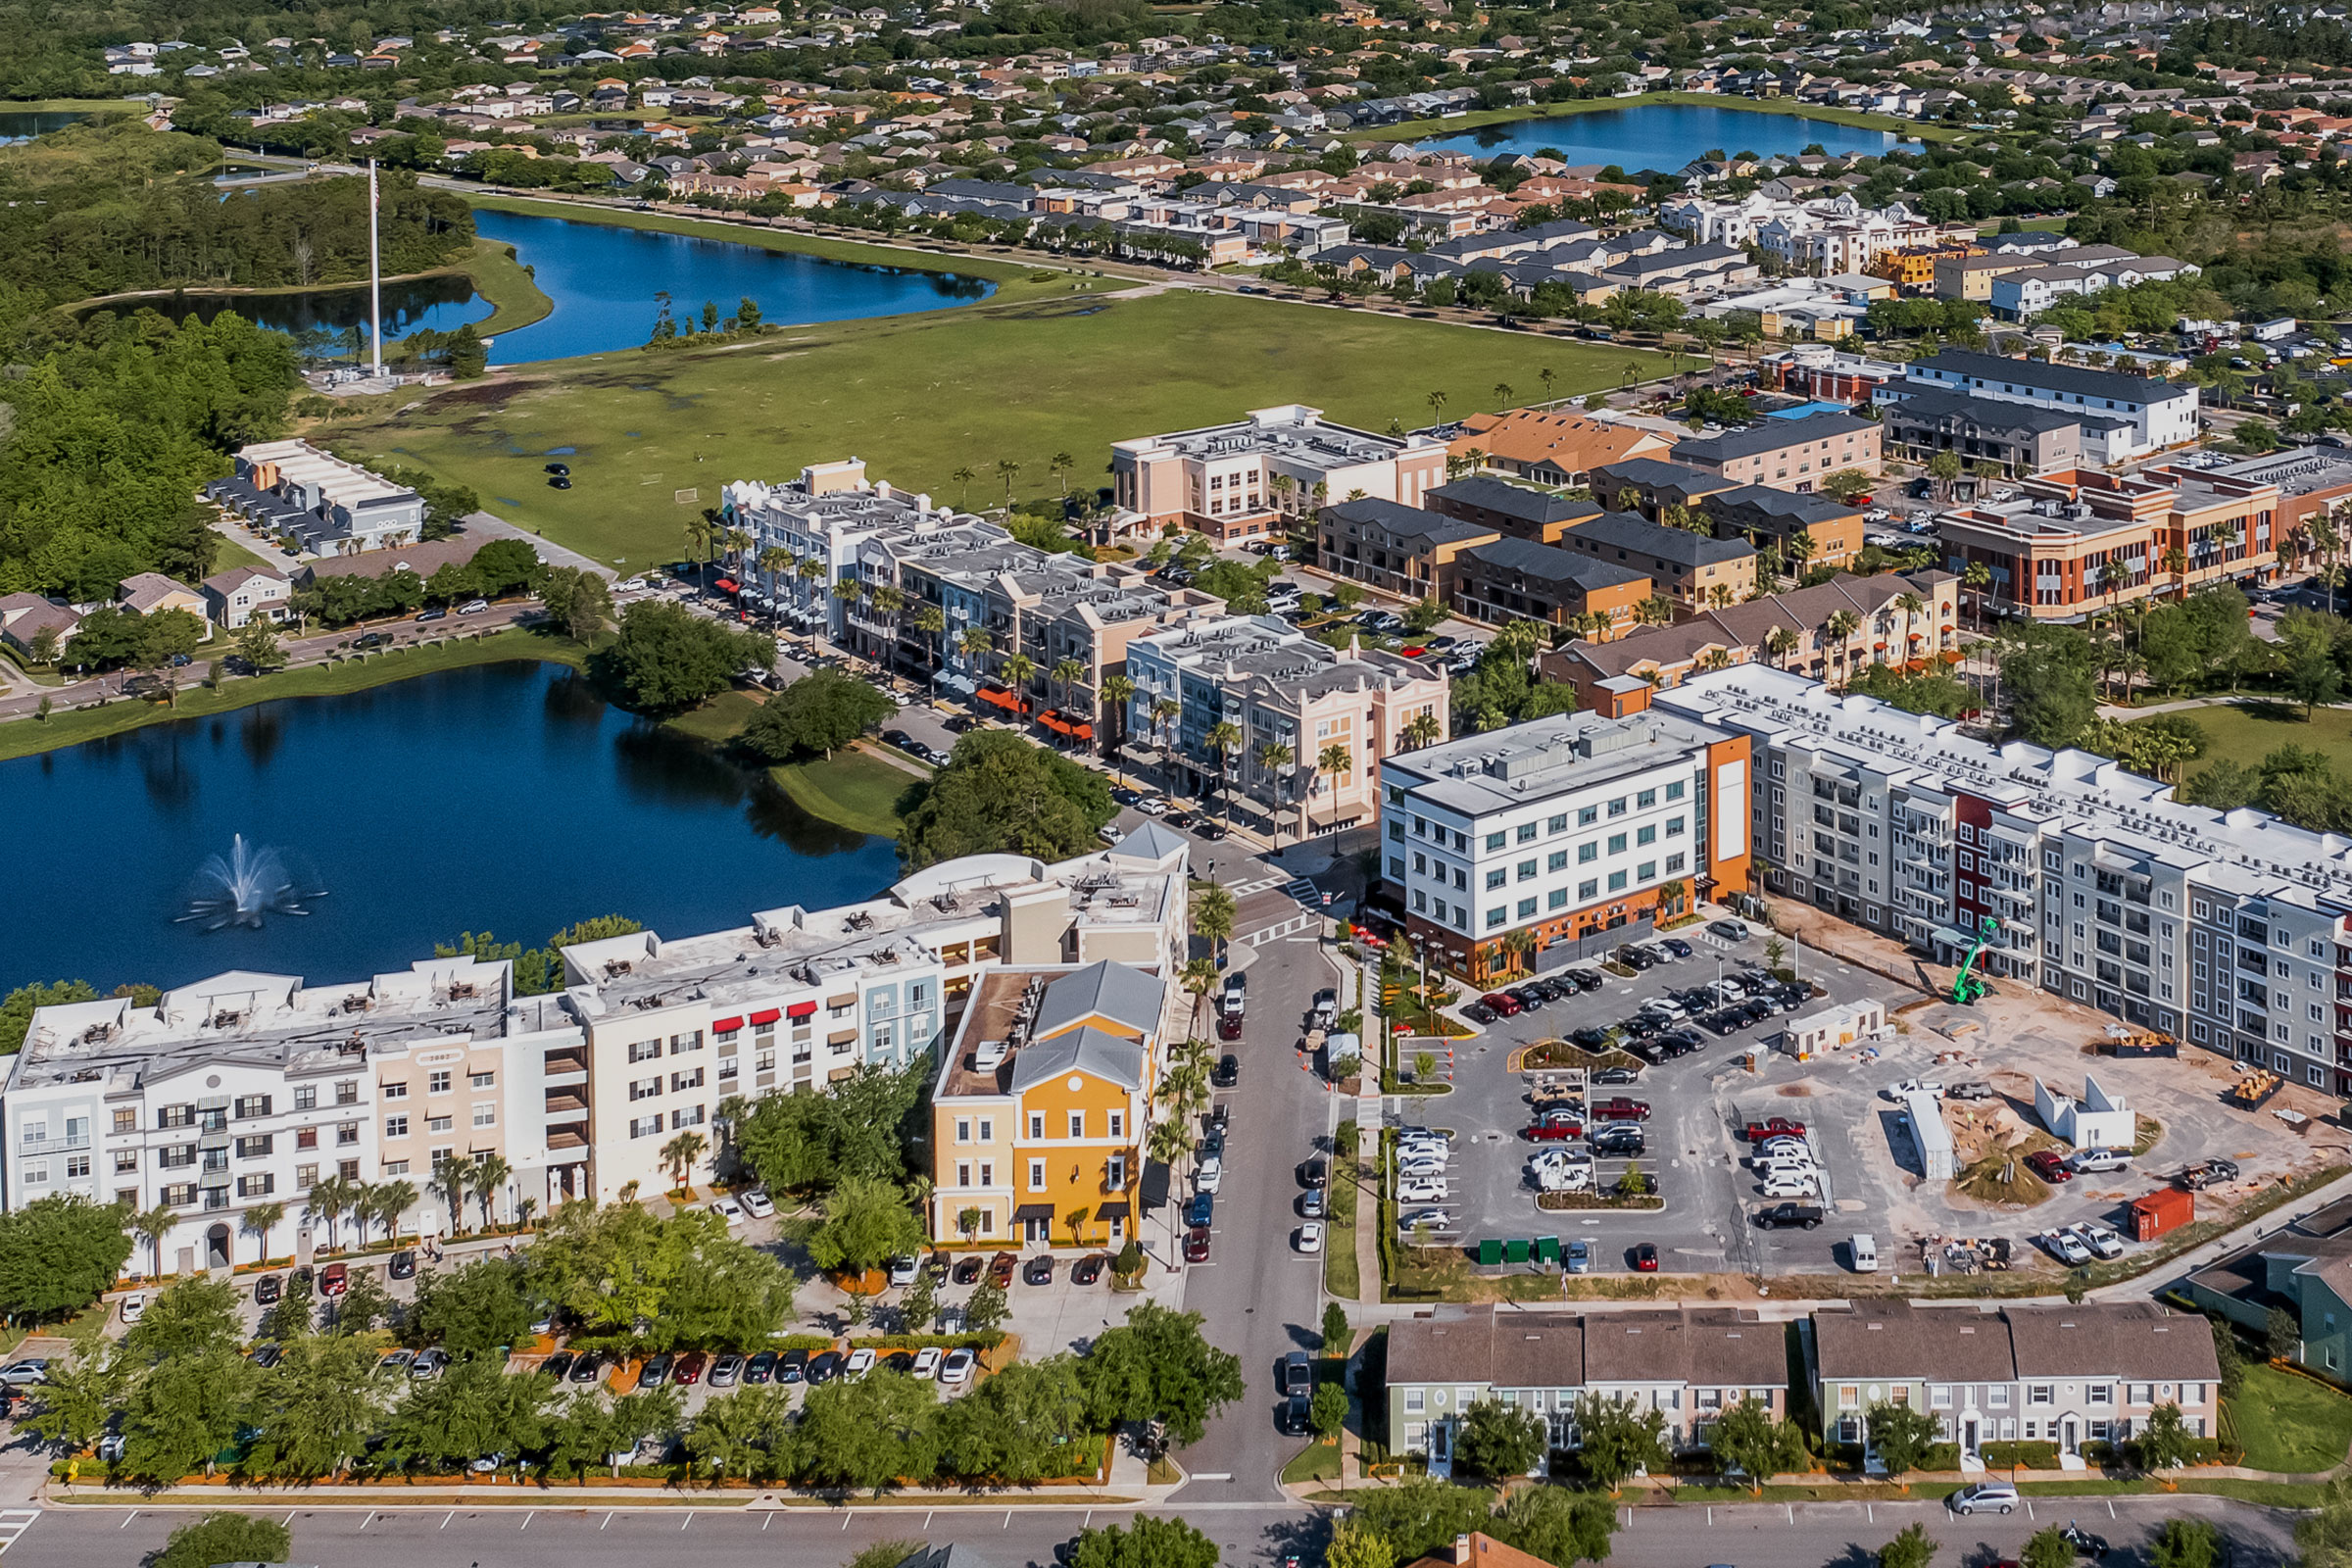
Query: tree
{"type": "Point", "coordinates": [1150, 1543]}
{"type": "Point", "coordinates": [450, 1179]}
{"type": "Point", "coordinates": [985, 1309]}
{"type": "Point", "coordinates": [2193, 1543]}
{"type": "Point", "coordinates": [490, 1173]}
{"type": "Point", "coordinates": [577, 603]}
{"type": "Point", "coordinates": [316, 1408]}
{"type": "Point", "coordinates": [1158, 1366]}
{"type": "Point", "coordinates": [686, 1276]}
{"type": "Point", "coordinates": [1214, 916]}
{"type": "Point", "coordinates": [186, 1319]}
{"type": "Point", "coordinates": [821, 712]}
{"type": "Point", "coordinates": [1421, 1514]}
{"type": "Point", "coordinates": [58, 1253]}
{"type": "Point", "coordinates": [472, 1409]}
{"type": "Point", "coordinates": [1017, 1426]}
{"type": "Point", "coordinates": [1337, 1337]}
{"type": "Point", "coordinates": [1944, 468]}
{"type": "Point", "coordinates": [1356, 1544]}
{"type": "Point", "coordinates": [469, 356]}
{"type": "Point", "coordinates": [1900, 1435]}
{"type": "Point", "coordinates": [868, 1433]}
{"type": "Point", "coordinates": [746, 1432]}
{"type": "Point", "coordinates": [667, 658]}
{"type": "Point", "coordinates": [1849, 485]}
{"type": "Point", "coordinates": [257, 645]}
{"type": "Point", "coordinates": [75, 1400]}
{"type": "Point", "coordinates": [866, 1221]}
{"type": "Point", "coordinates": [183, 1410]}
{"type": "Point", "coordinates": [220, 1538]}
{"type": "Point", "coordinates": [1501, 1441]}
{"type": "Point", "coordinates": [476, 1310]}
{"type": "Point", "coordinates": [1749, 1440]}
{"type": "Point", "coordinates": [1560, 1526]}
{"type": "Point", "coordinates": [2312, 671]}
{"type": "Point", "coordinates": [1002, 793]}
{"type": "Point", "coordinates": [2048, 1548]}
{"type": "Point", "coordinates": [1913, 1548]}
{"type": "Point", "coordinates": [680, 1154]}
{"type": "Point", "coordinates": [2165, 1443]}
{"type": "Point", "coordinates": [1327, 1411]}
{"type": "Point", "coordinates": [1614, 1439]}
{"type": "Point", "coordinates": [258, 1221]}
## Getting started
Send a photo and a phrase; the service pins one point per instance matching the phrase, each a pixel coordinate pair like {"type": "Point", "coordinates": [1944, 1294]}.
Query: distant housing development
{"type": "Point", "coordinates": [327, 506]}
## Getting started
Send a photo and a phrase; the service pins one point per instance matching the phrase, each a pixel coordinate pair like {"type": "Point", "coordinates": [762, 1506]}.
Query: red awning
{"type": "Point", "coordinates": [1949, 656]}
{"type": "Point", "coordinates": [1919, 637]}
{"type": "Point", "coordinates": [726, 1026]}
{"type": "Point", "coordinates": [1915, 665]}
{"type": "Point", "coordinates": [766, 1016]}
{"type": "Point", "coordinates": [727, 585]}
{"type": "Point", "coordinates": [802, 1009]}
{"type": "Point", "coordinates": [997, 697]}
{"type": "Point", "coordinates": [1055, 721]}
{"type": "Point", "coordinates": [1084, 732]}
{"type": "Point", "coordinates": [1879, 646]}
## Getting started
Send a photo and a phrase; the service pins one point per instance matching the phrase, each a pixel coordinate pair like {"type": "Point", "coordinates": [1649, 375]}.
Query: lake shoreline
{"type": "Point", "coordinates": [1420, 130]}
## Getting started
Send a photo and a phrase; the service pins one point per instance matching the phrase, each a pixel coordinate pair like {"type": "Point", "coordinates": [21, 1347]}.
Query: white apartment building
{"type": "Point", "coordinates": [2162, 413]}
{"type": "Point", "coordinates": [247, 1089]}
{"type": "Point", "coordinates": [2227, 928]}
{"type": "Point", "coordinates": [1566, 827]}
{"type": "Point", "coordinates": [820, 520]}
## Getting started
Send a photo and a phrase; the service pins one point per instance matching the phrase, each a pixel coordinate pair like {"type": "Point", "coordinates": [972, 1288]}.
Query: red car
{"type": "Point", "coordinates": [689, 1369]}
{"type": "Point", "coordinates": [1645, 1258]}
{"type": "Point", "coordinates": [1622, 1108]}
{"type": "Point", "coordinates": [334, 1280]}
{"type": "Point", "coordinates": [1195, 1245]}
{"type": "Point", "coordinates": [2050, 1165]}
{"type": "Point", "coordinates": [1555, 1132]}
{"type": "Point", "coordinates": [1229, 1027]}
{"type": "Point", "coordinates": [1502, 1003]}
{"type": "Point", "coordinates": [1000, 1269]}
{"type": "Point", "coordinates": [1774, 1127]}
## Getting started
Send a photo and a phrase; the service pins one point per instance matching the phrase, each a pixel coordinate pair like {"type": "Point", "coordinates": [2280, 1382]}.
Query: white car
{"type": "Point", "coordinates": [1917, 1086]}
{"type": "Point", "coordinates": [728, 1210]}
{"type": "Point", "coordinates": [473, 607]}
{"type": "Point", "coordinates": [1775, 1148]}
{"type": "Point", "coordinates": [1424, 1190]}
{"type": "Point", "coordinates": [859, 1364]}
{"type": "Point", "coordinates": [903, 1268]}
{"type": "Point", "coordinates": [1109, 833]}
{"type": "Point", "coordinates": [1790, 1183]}
{"type": "Point", "coordinates": [1564, 1178]}
{"type": "Point", "coordinates": [958, 1367]}
{"type": "Point", "coordinates": [1212, 1174]}
{"type": "Point", "coordinates": [2067, 1247]}
{"type": "Point", "coordinates": [134, 1308]}
{"type": "Point", "coordinates": [756, 1203]}
{"type": "Point", "coordinates": [630, 585]}
{"type": "Point", "coordinates": [1310, 1237]}
{"type": "Point", "coordinates": [2092, 1161]}
{"type": "Point", "coordinates": [1420, 1169]}
{"type": "Point", "coordinates": [1661, 1007]}
{"type": "Point", "coordinates": [926, 1361]}
{"type": "Point", "coordinates": [1151, 805]}
{"type": "Point", "coordinates": [1436, 1152]}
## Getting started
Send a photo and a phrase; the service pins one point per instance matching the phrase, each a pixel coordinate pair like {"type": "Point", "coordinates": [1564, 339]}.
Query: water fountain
{"type": "Point", "coordinates": [243, 888]}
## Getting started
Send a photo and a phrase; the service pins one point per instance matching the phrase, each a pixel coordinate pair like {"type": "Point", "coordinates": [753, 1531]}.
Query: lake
{"type": "Point", "coordinates": [504, 798]}
{"type": "Point", "coordinates": [1662, 137]}
{"type": "Point", "coordinates": [23, 125]}
{"type": "Point", "coordinates": [603, 281]}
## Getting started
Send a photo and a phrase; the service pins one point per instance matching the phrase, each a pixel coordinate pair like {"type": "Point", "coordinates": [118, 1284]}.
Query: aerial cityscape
{"type": "Point", "coordinates": [1382, 784]}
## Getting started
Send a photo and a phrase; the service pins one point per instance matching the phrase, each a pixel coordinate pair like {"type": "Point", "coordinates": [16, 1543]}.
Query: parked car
{"type": "Point", "coordinates": [1229, 1068]}
{"type": "Point", "coordinates": [1195, 1245]}
{"type": "Point", "coordinates": [1039, 1270]}
{"type": "Point", "coordinates": [1985, 1497]}
{"type": "Point", "coordinates": [1606, 1076]}
{"type": "Point", "coordinates": [757, 1203]}
{"type": "Point", "coordinates": [1620, 1107]}
{"type": "Point", "coordinates": [1502, 1003]}
{"type": "Point", "coordinates": [792, 1366]}
{"type": "Point", "coordinates": [2097, 1161]}
{"type": "Point", "coordinates": [1729, 930]}
{"type": "Point", "coordinates": [1591, 1039]}
{"type": "Point", "coordinates": [1579, 1255]}
{"type": "Point", "coordinates": [1201, 1209]}
{"type": "Point", "coordinates": [1645, 1257]}
{"type": "Point", "coordinates": [728, 1210]}
{"type": "Point", "coordinates": [2066, 1246]}
{"type": "Point", "coordinates": [726, 1370]}
{"type": "Point", "coordinates": [957, 1367]}
{"type": "Point", "coordinates": [823, 1367]}
{"type": "Point", "coordinates": [656, 1370]}
{"type": "Point", "coordinates": [268, 1289]}
{"type": "Point", "coordinates": [333, 1281]}
{"type": "Point", "coordinates": [2050, 1165]}
{"type": "Point", "coordinates": [967, 1270]}
{"type": "Point", "coordinates": [588, 1368]}
{"type": "Point", "coordinates": [1089, 1268]}
{"type": "Point", "coordinates": [1211, 1175]}
{"type": "Point", "coordinates": [1774, 1127]}
{"type": "Point", "coordinates": [429, 1364]}
{"type": "Point", "coordinates": [1000, 1269]}
{"type": "Point", "coordinates": [1310, 1237]}
{"type": "Point", "coordinates": [1315, 1173]}
{"type": "Point", "coordinates": [760, 1368]}
{"type": "Point", "coordinates": [1791, 1185]}
{"type": "Point", "coordinates": [903, 1268]}
{"type": "Point", "coordinates": [2100, 1239]}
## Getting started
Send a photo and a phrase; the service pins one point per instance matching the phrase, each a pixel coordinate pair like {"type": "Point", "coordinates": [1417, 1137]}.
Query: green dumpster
{"type": "Point", "coordinates": [1514, 1251]}
{"type": "Point", "coordinates": [1490, 1251]}
{"type": "Point", "coordinates": [1548, 1248]}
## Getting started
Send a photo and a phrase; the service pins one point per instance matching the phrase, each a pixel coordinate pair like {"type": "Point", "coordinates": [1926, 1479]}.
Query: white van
{"type": "Point", "coordinates": [1865, 1252]}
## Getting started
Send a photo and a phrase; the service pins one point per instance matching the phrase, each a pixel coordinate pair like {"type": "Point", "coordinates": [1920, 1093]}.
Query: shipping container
{"type": "Point", "coordinates": [2161, 1212]}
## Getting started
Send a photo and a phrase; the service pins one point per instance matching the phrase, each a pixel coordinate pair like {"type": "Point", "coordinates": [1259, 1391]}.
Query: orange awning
{"type": "Point", "coordinates": [1915, 665]}
{"type": "Point", "coordinates": [1949, 656]}
{"type": "Point", "coordinates": [997, 697]}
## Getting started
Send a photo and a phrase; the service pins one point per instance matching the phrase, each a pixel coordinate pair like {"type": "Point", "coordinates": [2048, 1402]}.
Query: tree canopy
{"type": "Point", "coordinates": [58, 1253]}
{"type": "Point", "coordinates": [1002, 792]}
{"type": "Point", "coordinates": [818, 712]}
{"type": "Point", "coordinates": [667, 658]}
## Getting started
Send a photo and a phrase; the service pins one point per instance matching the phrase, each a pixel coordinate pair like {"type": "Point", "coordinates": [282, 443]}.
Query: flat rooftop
{"type": "Point", "coordinates": [2297, 472]}
{"type": "Point", "coordinates": [345, 484]}
{"type": "Point", "coordinates": [1291, 431]}
{"type": "Point", "coordinates": [1479, 774]}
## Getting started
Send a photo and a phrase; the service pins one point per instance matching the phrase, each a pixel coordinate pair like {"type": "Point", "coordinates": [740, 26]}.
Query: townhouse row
{"type": "Point", "coordinates": [246, 1089]}
{"type": "Point", "coordinates": [2065, 1376]}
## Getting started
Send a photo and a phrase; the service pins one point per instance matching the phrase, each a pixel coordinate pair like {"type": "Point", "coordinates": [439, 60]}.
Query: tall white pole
{"type": "Point", "coordinates": [375, 268]}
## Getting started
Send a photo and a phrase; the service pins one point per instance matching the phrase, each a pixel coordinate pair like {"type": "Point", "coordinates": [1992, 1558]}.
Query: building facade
{"type": "Point", "coordinates": [1396, 549]}
{"type": "Point", "coordinates": [1786, 453]}
{"type": "Point", "coordinates": [2161, 414]}
{"type": "Point", "coordinates": [1245, 480]}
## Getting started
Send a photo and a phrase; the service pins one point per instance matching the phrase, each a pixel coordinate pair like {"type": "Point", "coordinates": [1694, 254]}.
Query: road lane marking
{"type": "Point", "coordinates": [608, 1520]}
{"type": "Point", "coordinates": [847, 1517]}
{"type": "Point", "coordinates": [689, 1519]}
{"type": "Point", "coordinates": [447, 1517]}
{"type": "Point", "coordinates": [371, 1519]}
{"type": "Point", "coordinates": [528, 1517]}
{"type": "Point", "coordinates": [127, 1519]}
{"type": "Point", "coordinates": [13, 1522]}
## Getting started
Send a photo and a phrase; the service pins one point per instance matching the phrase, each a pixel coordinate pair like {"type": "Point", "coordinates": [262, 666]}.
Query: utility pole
{"type": "Point", "coordinates": [376, 271]}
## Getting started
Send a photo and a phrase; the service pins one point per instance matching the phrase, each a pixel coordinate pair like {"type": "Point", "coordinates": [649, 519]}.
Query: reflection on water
{"type": "Point", "coordinates": [23, 125]}
{"type": "Point", "coordinates": [442, 303]}
{"type": "Point", "coordinates": [1662, 137]}
{"type": "Point", "coordinates": [504, 798]}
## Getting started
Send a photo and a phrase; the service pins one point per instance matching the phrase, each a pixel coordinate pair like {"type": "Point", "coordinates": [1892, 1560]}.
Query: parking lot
{"type": "Point", "coordinates": [1695, 1100]}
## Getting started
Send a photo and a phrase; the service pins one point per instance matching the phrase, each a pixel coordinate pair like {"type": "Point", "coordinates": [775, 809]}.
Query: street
{"type": "Point", "coordinates": [1822, 1535]}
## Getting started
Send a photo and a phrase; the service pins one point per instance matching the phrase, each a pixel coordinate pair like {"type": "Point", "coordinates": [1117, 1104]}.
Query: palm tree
{"type": "Point", "coordinates": [1655, 610]}
{"type": "Point", "coordinates": [490, 1173]}
{"type": "Point", "coordinates": [702, 534]}
{"type": "Point", "coordinates": [774, 562]}
{"type": "Point", "coordinates": [1779, 644]}
{"type": "Point", "coordinates": [1059, 466]}
{"type": "Point", "coordinates": [1502, 391]}
{"type": "Point", "coordinates": [1007, 468]}
{"type": "Point", "coordinates": [154, 1225]}
{"type": "Point", "coordinates": [1065, 674]}
{"type": "Point", "coordinates": [1213, 916]}
{"type": "Point", "coordinates": [454, 1180]}
{"type": "Point", "coordinates": [1435, 401]}
{"type": "Point", "coordinates": [1117, 692]}
{"type": "Point", "coordinates": [2175, 561]}
{"type": "Point", "coordinates": [975, 645]}
{"type": "Point", "coordinates": [1421, 730]}
{"type": "Point", "coordinates": [1165, 711]}
{"type": "Point", "coordinates": [1548, 375]}
{"type": "Point", "coordinates": [1976, 577]}
{"type": "Point", "coordinates": [1015, 672]}
{"type": "Point", "coordinates": [964, 476]}
{"type": "Point", "coordinates": [1518, 942]}
{"type": "Point", "coordinates": [1198, 976]}
{"type": "Point", "coordinates": [932, 623]}
{"type": "Point", "coordinates": [1272, 758]}
{"type": "Point", "coordinates": [811, 571]}
{"type": "Point", "coordinates": [387, 1202]}
{"type": "Point", "coordinates": [1336, 758]}
{"type": "Point", "coordinates": [680, 1154]}
{"type": "Point", "coordinates": [258, 1221]}
{"type": "Point", "coordinates": [327, 1200]}
{"type": "Point", "coordinates": [1224, 738]}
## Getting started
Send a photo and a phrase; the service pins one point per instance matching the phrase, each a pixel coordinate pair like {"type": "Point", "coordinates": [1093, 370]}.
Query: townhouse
{"type": "Point", "coordinates": [1797, 454]}
{"type": "Point", "coordinates": [1042, 1106]}
{"type": "Point", "coordinates": [2161, 414]}
{"type": "Point", "coordinates": [325, 504]}
{"type": "Point", "coordinates": [1821, 529]}
{"type": "Point", "coordinates": [1563, 828]}
{"type": "Point", "coordinates": [1397, 548]}
{"type": "Point", "coordinates": [2014, 437]}
{"type": "Point", "coordinates": [2079, 541]}
{"type": "Point", "coordinates": [1513, 509]}
{"type": "Point", "coordinates": [806, 533]}
{"type": "Point", "coordinates": [1247, 479]}
{"type": "Point", "coordinates": [2228, 929]}
{"type": "Point", "coordinates": [2063, 1376]}
{"type": "Point", "coordinates": [1833, 630]}
{"type": "Point", "coordinates": [2304, 1267]}
{"type": "Point", "coordinates": [1690, 1363]}
{"type": "Point", "coordinates": [1515, 579]}
{"type": "Point", "coordinates": [1690, 569]}
{"type": "Point", "coordinates": [1291, 700]}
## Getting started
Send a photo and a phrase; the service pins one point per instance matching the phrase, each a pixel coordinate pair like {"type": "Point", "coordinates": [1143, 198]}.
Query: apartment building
{"type": "Point", "coordinates": [1909, 622]}
{"type": "Point", "coordinates": [2018, 439]}
{"type": "Point", "coordinates": [818, 521]}
{"type": "Point", "coordinates": [1686, 567]}
{"type": "Point", "coordinates": [2228, 929]}
{"type": "Point", "coordinates": [1832, 529]}
{"type": "Point", "coordinates": [2076, 542]}
{"type": "Point", "coordinates": [328, 505]}
{"type": "Point", "coordinates": [1790, 454]}
{"type": "Point", "coordinates": [2311, 480]}
{"type": "Point", "coordinates": [1563, 828]}
{"type": "Point", "coordinates": [1399, 550]}
{"type": "Point", "coordinates": [1292, 698]}
{"type": "Point", "coordinates": [1042, 1104]}
{"type": "Point", "coordinates": [1651, 486]}
{"type": "Point", "coordinates": [2161, 414]}
{"type": "Point", "coordinates": [1689, 1363]}
{"type": "Point", "coordinates": [2305, 1267]}
{"type": "Point", "coordinates": [1511, 510]}
{"type": "Point", "coordinates": [1245, 480]}
{"type": "Point", "coordinates": [1514, 579]}
{"type": "Point", "coordinates": [2065, 1376]}
{"type": "Point", "coordinates": [1554, 446]}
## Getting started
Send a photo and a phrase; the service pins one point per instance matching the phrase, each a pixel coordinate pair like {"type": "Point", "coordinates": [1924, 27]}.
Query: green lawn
{"type": "Point", "coordinates": [2289, 1425]}
{"type": "Point", "coordinates": [658, 434]}
{"type": "Point", "coordinates": [2247, 731]}
{"type": "Point", "coordinates": [1320, 1462]}
{"type": "Point", "coordinates": [853, 789]}
{"type": "Point", "coordinates": [501, 280]}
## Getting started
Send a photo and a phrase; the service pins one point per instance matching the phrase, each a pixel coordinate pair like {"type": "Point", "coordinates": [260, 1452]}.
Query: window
{"type": "Point", "coordinates": [1617, 806]}
{"type": "Point", "coordinates": [1037, 1124]}
{"type": "Point", "coordinates": [306, 1177]}
{"type": "Point", "coordinates": [645, 1126]}
{"type": "Point", "coordinates": [2100, 1394]}
{"type": "Point", "coordinates": [1586, 817]}
{"type": "Point", "coordinates": [436, 1124]}
{"type": "Point", "coordinates": [988, 1130]}
{"type": "Point", "coordinates": [1495, 841]}
{"type": "Point", "coordinates": [1674, 862]}
{"type": "Point", "coordinates": [1558, 861]}
{"type": "Point", "coordinates": [1587, 854]}
{"type": "Point", "coordinates": [1556, 899]}
{"type": "Point", "coordinates": [249, 1105]}
{"type": "Point", "coordinates": [2041, 1393]}
{"type": "Point", "coordinates": [679, 1081]}
{"type": "Point", "coordinates": [1674, 827]}
{"type": "Point", "coordinates": [1939, 1396]}
{"type": "Point", "coordinates": [396, 1126]}
{"type": "Point", "coordinates": [1527, 908]}
{"type": "Point", "coordinates": [486, 1115]}
{"type": "Point", "coordinates": [1118, 1124]}
{"type": "Point", "coordinates": [1616, 844]}
{"type": "Point", "coordinates": [1037, 1175]}
{"type": "Point", "coordinates": [175, 1116]}
{"type": "Point", "coordinates": [1996, 1396]}
{"type": "Point", "coordinates": [1647, 835]}
{"type": "Point", "coordinates": [963, 1173]}
{"type": "Point", "coordinates": [1646, 798]}
{"type": "Point", "coordinates": [126, 1119]}
{"type": "Point", "coordinates": [644, 1088]}
{"type": "Point", "coordinates": [1646, 871]}
{"type": "Point", "coordinates": [1527, 870]}
{"type": "Point", "coordinates": [482, 1080]}
{"type": "Point", "coordinates": [691, 1116]}
{"type": "Point", "coordinates": [963, 1130]}
{"type": "Point", "coordinates": [1587, 891]}
{"type": "Point", "coordinates": [127, 1162]}
{"type": "Point", "coordinates": [1527, 833]}
{"type": "Point", "coordinates": [644, 1050]}
{"type": "Point", "coordinates": [1674, 789]}
{"type": "Point", "coordinates": [393, 1091]}
{"type": "Point", "coordinates": [1558, 824]}
{"type": "Point", "coordinates": [988, 1173]}
{"type": "Point", "coordinates": [305, 1099]}
{"type": "Point", "coordinates": [257, 1186]}
{"type": "Point", "coordinates": [1077, 1124]}
{"type": "Point", "coordinates": [253, 1147]}
{"type": "Point", "coordinates": [438, 1083]}
{"type": "Point", "coordinates": [1616, 881]}
{"type": "Point", "coordinates": [1496, 916]}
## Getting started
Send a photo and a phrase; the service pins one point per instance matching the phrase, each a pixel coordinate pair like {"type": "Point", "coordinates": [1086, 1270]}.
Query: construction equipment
{"type": "Point", "coordinates": [1970, 984]}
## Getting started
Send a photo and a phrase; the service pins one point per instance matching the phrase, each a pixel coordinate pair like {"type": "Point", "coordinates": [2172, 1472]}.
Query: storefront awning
{"type": "Point", "coordinates": [766, 1016]}
{"type": "Point", "coordinates": [1061, 725]}
{"type": "Point", "coordinates": [1951, 656]}
{"type": "Point", "coordinates": [1029, 1211]}
{"type": "Point", "coordinates": [997, 697]}
{"type": "Point", "coordinates": [725, 1026]}
{"type": "Point", "coordinates": [1111, 1212]}
{"type": "Point", "coordinates": [727, 585]}
{"type": "Point", "coordinates": [802, 1009]}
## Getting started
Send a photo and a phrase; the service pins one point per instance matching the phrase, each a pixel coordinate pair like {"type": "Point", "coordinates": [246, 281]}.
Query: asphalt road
{"type": "Point", "coordinates": [1749, 1536]}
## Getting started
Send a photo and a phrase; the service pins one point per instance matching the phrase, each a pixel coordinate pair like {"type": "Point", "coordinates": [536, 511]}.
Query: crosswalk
{"type": "Point", "coordinates": [1304, 891]}
{"type": "Point", "coordinates": [1287, 928]}
{"type": "Point", "coordinates": [1242, 890]}
{"type": "Point", "coordinates": [13, 1522]}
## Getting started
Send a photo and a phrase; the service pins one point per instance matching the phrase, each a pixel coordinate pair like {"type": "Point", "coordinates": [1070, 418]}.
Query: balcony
{"type": "Point", "coordinates": [62, 1143]}
{"type": "Point", "coordinates": [562, 1106]}
{"type": "Point", "coordinates": [565, 1065]}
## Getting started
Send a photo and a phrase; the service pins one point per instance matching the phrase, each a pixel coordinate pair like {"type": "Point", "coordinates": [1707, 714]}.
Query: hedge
{"type": "Point", "coordinates": [2024, 1456]}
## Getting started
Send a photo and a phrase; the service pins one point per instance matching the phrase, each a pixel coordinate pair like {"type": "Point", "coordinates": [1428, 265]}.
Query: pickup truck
{"type": "Point", "coordinates": [2206, 1172]}
{"type": "Point", "coordinates": [1620, 1107]}
{"type": "Point", "coordinates": [1803, 1215]}
{"type": "Point", "coordinates": [1970, 1089]}
{"type": "Point", "coordinates": [1774, 1127]}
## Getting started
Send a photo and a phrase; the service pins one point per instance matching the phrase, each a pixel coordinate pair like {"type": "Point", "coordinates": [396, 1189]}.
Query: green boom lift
{"type": "Point", "coordinates": [1968, 984]}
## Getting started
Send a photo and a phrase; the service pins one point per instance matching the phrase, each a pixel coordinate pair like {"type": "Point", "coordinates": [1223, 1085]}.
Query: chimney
{"type": "Point", "coordinates": [1461, 1548]}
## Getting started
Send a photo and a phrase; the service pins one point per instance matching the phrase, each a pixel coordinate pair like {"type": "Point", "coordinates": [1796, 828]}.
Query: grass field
{"type": "Point", "coordinates": [1424, 129]}
{"type": "Point", "coordinates": [2289, 1425]}
{"type": "Point", "coordinates": [2248, 730]}
{"type": "Point", "coordinates": [852, 787]}
{"type": "Point", "coordinates": [918, 397]}
{"type": "Point", "coordinates": [505, 282]}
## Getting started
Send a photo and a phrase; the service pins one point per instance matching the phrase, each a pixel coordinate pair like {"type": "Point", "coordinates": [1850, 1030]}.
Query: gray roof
{"type": "Point", "coordinates": [1552, 563]}
{"type": "Point", "coordinates": [1764, 500]}
{"type": "Point", "coordinates": [1396, 518]}
{"type": "Point", "coordinates": [1153, 841]}
{"type": "Point", "coordinates": [1626, 532]}
{"type": "Point", "coordinates": [2068, 378]}
{"type": "Point", "coordinates": [1652, 473]}
{"type": "Point", "coordinates": [1899, 1340]}
{"type": "Point", "coordinates": [1768, 435]}
{"type": "Point", "coordinates": [2134, 1339]}
{"type": "Point", "coordinates": [1925, 402]}
{"type": "Point", "coordinates": [1089, 1050]}
{"type": "Point", "coordinates": [1512, 500]}
{"type": "Point", "coordinates": [1105, 990]}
